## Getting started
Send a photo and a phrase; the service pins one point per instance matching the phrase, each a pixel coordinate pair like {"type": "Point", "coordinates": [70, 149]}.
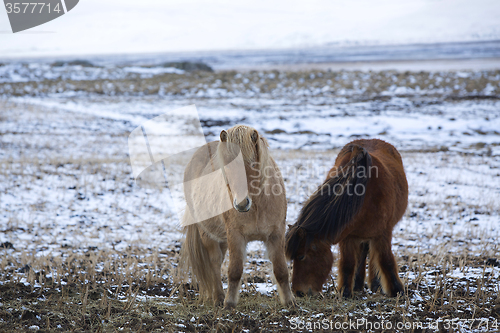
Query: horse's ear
{"type": "Point", "coordinates": [255, 136]}
{"type": "Point", "coordinates": [264, 141]}
{"type": "Point", "coordinates": [223, 136]}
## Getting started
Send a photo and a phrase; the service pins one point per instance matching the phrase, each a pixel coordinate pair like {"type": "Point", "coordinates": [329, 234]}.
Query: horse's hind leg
{"type": "Point", "coordinates": [350, 252]}
{"type": "Point", "coordinates": [381, 254]}
{"type": "Point", "coordinates": [237, 248]}
{"type": "Point", "coordinates": [276, 250]}
{"type": "Point", "coordinates": [373, 275]}
{"type": "Point", "coordinates": [216, 252]}
{"type": "Point", "coordinates": [359, 280]}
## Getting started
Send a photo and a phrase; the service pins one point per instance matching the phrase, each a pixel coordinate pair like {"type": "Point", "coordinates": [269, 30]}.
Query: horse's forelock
{"type": "Point", "coordinates": [250, 150]}
{"type": "Point", "coordinates": [255, 154]}
{"type": "Point", "coordinates": [242, 136]}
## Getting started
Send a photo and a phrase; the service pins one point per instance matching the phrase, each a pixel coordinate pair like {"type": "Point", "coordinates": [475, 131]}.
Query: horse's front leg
{"type": "Point", "coordinates": [237, 248]}
{"type": "Point", "coordinates": [276, 250]}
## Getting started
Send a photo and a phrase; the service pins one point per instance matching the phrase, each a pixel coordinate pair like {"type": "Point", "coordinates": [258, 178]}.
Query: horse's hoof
{"type": "Point", "coordinates": [359, 287]}
{"type": "Point", "coordinates": [219, 299]}
{"type": "Point", "coordinates": [375, 285]}
{"type": "Point", "coordinates": [229, 306]}
{"type": "Point", "coordinates": [291, 303]}
{"type": "Point", "coordinates": [397, 290]}
{"type": "Point", "coordinates": [346, 293]}
{"type": "Point", "coordinates": [396, 293]}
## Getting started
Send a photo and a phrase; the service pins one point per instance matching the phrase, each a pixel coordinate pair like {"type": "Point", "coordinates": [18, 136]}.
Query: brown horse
{"type": "Point", "coordinates": [363, 197]}
{"type": "Point", "coordinates": [257, 214]}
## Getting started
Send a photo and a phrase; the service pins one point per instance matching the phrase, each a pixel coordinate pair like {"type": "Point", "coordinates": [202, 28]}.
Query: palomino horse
{"type": "Point", "coordinates": [363, 197]}
{"type": "Point", "coordinates": [258, 216]}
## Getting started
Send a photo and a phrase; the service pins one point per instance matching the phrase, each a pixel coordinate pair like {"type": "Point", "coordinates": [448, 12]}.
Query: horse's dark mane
{"type": "Point", "coordinates": [328, 211]}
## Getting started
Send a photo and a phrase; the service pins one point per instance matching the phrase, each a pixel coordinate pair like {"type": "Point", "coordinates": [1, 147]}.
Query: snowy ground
{"type": "Point", "coordinates": [67, 192]}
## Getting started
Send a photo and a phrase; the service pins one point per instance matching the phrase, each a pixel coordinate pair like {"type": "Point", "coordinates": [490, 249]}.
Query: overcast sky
{"type": "Point", "coordinates": [123, 26]}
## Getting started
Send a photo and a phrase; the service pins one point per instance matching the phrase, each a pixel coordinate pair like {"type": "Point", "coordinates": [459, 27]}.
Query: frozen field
{"type": "Point", "coordinates": [84, 247]}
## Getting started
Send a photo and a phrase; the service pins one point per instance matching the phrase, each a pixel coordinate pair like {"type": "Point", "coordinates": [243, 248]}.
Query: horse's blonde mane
{"type": "Point", "coordinates": [251, 152]}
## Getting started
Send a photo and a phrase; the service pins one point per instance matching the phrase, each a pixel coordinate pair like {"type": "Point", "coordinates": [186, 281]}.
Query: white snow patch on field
{"type": "Point", "coordinates": [461, 126]}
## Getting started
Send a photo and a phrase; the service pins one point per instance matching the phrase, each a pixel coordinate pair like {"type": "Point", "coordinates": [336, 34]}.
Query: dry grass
{"type": "Point", "coordinates": [134, 293]}
{"type": "Point", "coordinates": [276, 83]}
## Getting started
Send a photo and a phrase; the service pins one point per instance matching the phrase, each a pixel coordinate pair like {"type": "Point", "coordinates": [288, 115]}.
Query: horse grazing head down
{"type": "Point", "coordinates": [312, 261]}
{"type": "Point", "coordinates": [254, 154]}
{"type": "Point", "coordinates": [321, 221]}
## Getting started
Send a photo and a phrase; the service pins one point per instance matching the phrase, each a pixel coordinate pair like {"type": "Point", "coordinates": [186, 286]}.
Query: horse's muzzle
{"type": "Point", "coordinates": [243, 206]}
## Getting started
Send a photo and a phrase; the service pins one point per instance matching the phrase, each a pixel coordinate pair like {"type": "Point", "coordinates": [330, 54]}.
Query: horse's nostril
{"type": "Point", "coordinates": [243, 208]}
{"type": "Point", "coordinates": [300, 293]}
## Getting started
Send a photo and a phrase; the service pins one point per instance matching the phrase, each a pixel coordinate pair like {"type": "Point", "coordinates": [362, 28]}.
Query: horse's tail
{"type": "Point", "coordinates": [334, 204]}
{"type": "Point", "coordinates": [194, 256]}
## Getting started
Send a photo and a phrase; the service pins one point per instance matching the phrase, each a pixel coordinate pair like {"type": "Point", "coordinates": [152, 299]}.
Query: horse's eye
{"type": "Point", "coordinates": [301, 258]}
